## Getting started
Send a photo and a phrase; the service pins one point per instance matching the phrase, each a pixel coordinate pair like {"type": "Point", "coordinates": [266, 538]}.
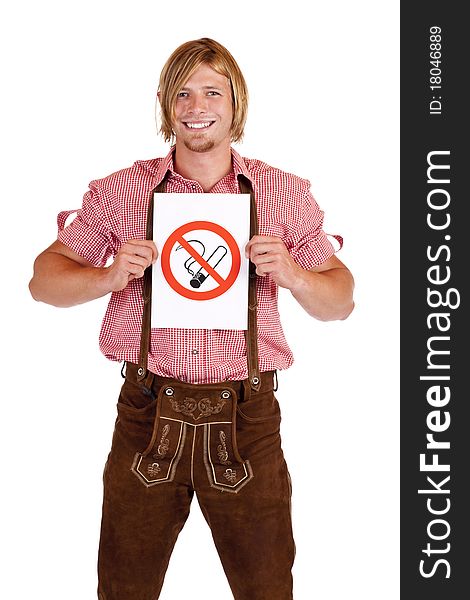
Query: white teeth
{"type": "Point", "coordinates": [199, 125]}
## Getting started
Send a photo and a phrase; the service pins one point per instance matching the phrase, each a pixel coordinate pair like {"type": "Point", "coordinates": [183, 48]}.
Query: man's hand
{"type": "Point", "coordinates": [130, 263]}
{"type": "Point", "coordinates": [64, 278]}
{"type": "Point", "coordinates": [271, 257]}
{"type": "Point", "coordinates": [325, 291]}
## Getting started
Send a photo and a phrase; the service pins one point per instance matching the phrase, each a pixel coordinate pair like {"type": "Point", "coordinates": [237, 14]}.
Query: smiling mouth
{"type": "Point", "coordinates": [199, 125]}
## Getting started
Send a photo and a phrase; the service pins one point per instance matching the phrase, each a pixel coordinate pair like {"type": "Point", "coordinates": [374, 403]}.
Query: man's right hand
{"type": "Point", "coordinates": [130, 263]}
{"type": "Point", "coordinates": [64, 278]}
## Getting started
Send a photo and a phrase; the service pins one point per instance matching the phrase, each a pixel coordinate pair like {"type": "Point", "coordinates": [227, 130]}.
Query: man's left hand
{"type": "Point", "coordinates": [271, 257]}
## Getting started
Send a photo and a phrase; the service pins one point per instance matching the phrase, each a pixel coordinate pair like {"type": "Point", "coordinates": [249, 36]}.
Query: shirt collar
{"type": "Point", "coordinates": [239, 166]}
{"type": "Point", "coordinates": [166, 164]}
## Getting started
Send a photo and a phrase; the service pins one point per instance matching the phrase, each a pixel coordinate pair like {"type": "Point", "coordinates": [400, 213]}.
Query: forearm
{"type": "Point", "coordinates": [62, 282]}
{"type": "Point", "coordinates": [325, 295]}
{"type": "Point", "coordinates": [325, 292]}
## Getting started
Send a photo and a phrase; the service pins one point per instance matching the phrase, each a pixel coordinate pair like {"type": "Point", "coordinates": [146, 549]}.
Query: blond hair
{"type": "Point", "coordinates": [183, 62]}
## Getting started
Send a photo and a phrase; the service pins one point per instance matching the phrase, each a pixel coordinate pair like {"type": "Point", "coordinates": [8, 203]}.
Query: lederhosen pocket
{"type": "Point", "coordinates": [179, 407]}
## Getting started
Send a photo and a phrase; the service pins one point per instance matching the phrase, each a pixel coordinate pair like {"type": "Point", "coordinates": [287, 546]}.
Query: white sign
{"type": "Point", "coordinates": [200, 279]}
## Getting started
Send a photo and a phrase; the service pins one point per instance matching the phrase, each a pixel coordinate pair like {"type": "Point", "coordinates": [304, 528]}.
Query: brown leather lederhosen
{"type": "Point", "coordinates": [180, 406]}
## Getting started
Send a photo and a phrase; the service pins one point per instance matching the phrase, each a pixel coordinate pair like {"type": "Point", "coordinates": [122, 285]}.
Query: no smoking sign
{"type": "Point", "coordinates": [200, 260]}
{"type": "Point", "coordinates": [200, 279]}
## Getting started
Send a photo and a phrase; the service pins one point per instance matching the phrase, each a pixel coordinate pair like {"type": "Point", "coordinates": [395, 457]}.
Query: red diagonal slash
{"type": "Point", "coordinates": [203, 263]}
{"type": "Point", "coordinates": [177, 237]}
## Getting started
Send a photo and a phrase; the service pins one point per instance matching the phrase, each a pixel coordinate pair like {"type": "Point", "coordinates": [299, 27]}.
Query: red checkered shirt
{"type": "Point", "coordinates": [114, 210]}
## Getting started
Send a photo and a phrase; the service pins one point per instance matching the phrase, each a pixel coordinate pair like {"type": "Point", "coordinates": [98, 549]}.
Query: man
{"type": "Point", "coordinates": [197, 411]}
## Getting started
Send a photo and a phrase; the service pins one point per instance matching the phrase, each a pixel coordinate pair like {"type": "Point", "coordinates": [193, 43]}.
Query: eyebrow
{"type": "Point", "coordinates": [204, 87]}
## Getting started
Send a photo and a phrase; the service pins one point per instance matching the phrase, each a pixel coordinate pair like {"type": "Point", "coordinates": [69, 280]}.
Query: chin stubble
{"type": "Point", "coordinates": [204, 146]}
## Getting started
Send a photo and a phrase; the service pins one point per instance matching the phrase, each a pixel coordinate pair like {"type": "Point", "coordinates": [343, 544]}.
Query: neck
{"type": "Point", "coordinates": [207, 168]}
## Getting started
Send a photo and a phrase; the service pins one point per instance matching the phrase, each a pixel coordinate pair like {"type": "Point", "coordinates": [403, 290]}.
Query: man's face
{"type": "Point", "coordinates": [203, 111]}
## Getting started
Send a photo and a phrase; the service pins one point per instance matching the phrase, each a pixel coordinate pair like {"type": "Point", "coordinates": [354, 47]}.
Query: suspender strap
{"type": "Point", "coordinates": [252, 331]}
{"type": "Point", "coordinates": [142, 371]}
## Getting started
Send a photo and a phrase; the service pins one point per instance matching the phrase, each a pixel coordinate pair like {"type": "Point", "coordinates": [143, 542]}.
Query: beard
{"type": "Point", "coordinates": [199, 144]}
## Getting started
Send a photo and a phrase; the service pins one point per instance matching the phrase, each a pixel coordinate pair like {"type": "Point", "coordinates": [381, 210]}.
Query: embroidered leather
{"type": "Point", "coordinates": [153, 469]}
{"type": "Point", "coordinates": [230, 475]}
{"type": "Point", "coordinates": [189, 406]}
{"type": "Point", "coordinates": [164, 443]}
{"type": "Point", "coordinates": [183, 409]}
{"type": "Point", "coordinates": [222, 452]}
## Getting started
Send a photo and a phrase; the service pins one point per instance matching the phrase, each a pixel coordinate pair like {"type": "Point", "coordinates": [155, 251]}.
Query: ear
{"type": "Point", "coordinates": [159, 96]}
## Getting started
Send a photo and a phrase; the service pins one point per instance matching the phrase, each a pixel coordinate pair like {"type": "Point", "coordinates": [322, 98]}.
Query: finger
{"type": "Point", "coordinates": [264, 259]}
{"type": "Point", "coordinates": [135, 252]}
{"type": "Point", "coordinates": [260, 239]}
{"type": "Point", "coordinates": [134, 270]}
{"type": "Point", "coordinates": [248, 248]}
{"type": "Point", "coordinates": [153, 248]}
{"type": "Point", "coordinates": [262, 270]}
{"type": "Point", "coordinates": [126, 260]}
{"type": "Point", "coordinates": [145, 248]}
{"type": "Point", "coordinates": [139, 251]}
{"type": "Point", "coordinates": [265, 248]}
{"type": "Point", "coordinates": [264, 238]}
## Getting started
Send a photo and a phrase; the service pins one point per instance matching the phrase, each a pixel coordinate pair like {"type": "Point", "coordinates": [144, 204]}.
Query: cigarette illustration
{"type": "Point", "coordinates": [198, 277]}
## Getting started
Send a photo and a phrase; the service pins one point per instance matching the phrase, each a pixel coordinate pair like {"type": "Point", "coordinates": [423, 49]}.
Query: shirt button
{"type": "Point", "coordinates": [194, 352]}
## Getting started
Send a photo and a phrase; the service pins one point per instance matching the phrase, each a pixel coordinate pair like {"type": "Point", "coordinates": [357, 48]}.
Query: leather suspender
{"type": "Point", "coordinates": [252, 331]}
{"type": "Point", "coordinates": [142, 371]}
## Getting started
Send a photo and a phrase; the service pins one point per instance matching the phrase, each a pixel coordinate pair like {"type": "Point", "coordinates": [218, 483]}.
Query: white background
{"type": "Point", "coordinates": [79, 84]}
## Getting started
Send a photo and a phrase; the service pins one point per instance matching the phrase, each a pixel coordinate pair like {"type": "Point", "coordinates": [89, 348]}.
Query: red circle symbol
{"type": "Point", "coordinates": [177, 237]}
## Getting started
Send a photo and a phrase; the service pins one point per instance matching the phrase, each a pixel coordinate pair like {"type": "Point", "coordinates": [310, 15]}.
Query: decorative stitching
{"type": "Point", "coordinates": [164, 443]}
{"type": "Point", "coordinates": [173, 462]}
{"type": "Point", "coordinates": [192, 454]}
{"type": "Point", "coordinates": [153, 469]}
{"type": "Point", "coordinates": [223, 487]}
{"type": "Point", "coordinates": [188, 407]}
{"type": "Point", "coordinates": [222, 452]}
{"type": "Point", "coordinates": [230, 475]}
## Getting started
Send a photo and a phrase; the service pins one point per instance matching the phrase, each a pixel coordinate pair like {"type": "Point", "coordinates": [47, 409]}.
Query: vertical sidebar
{"type": "Point", "coordinates": [434, 288]}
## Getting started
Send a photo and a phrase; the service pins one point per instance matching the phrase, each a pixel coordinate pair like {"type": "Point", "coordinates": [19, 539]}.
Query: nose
{"type": "Point", "coordinates": [197, 104]}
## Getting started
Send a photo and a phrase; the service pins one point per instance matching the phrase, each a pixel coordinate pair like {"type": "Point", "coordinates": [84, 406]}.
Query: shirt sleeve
{"type": "Point", "coordinates": [308, 244]}
{"type": "Point", "coordinates": [89, 234]}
